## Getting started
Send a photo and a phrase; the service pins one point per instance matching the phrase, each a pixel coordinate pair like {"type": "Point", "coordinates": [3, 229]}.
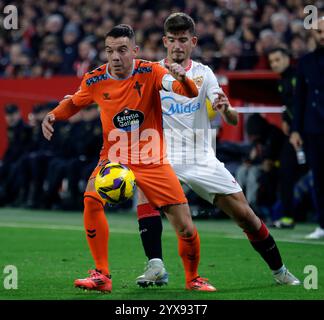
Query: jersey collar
{"type": "Point", "coordinates": [112, 77]}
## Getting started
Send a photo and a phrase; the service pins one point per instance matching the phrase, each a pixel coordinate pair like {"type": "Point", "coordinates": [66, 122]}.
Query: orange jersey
{"type": "Point", "coordinates": [127, 108]}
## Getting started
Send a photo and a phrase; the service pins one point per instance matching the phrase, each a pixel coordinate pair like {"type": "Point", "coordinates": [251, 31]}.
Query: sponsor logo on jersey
{"type": "Point", "coordinates": [142, 70]}
{"type": "Point", "coordinates": [96, 79]}
{"type": "Point", "coordinates": [176, 107]}
{"type": "Point", "coordinates": [198, 81]}
{"type": "Point", "coordinates": [128, 119]}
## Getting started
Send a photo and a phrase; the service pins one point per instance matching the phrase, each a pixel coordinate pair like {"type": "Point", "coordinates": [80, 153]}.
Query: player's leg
{"type": "Point", "coordinates": [214, 183]}
{"type": "Point", "coordinates": [188, 245]}
{"type": "Point", "coordinates": [236, 206]}
{"type": "Point", "coordinates": [150, 228]}
{"type": "Point", "coordinates": [97, 232]}
{"type": "Point", "coordinates": [163, 190]}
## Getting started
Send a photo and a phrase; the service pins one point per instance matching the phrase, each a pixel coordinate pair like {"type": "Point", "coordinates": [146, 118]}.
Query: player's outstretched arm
{"type": "Point", "coordinates": [183, 85]}
{"type": "Point", "coordinates": [222, 104]}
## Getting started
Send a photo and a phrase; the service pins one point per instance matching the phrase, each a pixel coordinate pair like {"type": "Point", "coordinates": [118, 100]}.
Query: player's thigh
{"type": "Point", "coordinates": [160, 185]}
{"type": "Point", "coordinates": [91, 181]}
{"type": "Point", "coordinates": [141, 198]}
{"type": "Point", "coordinates": [208, 178]}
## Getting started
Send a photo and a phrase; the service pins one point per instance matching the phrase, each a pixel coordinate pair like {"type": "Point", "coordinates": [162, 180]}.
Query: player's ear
{"type": "Point", "coordinates": [136, 50]}
{"type": "Point", "coordinates": [165, 41]}
{"type": "Point", "coordinates": [194, 41]}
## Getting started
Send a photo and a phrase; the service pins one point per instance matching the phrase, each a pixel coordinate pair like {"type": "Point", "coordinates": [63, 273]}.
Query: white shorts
{"type": "Point", "coordinates": [207, 178]}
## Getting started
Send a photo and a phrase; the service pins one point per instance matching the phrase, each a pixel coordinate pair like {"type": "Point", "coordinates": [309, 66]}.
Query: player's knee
{"type": "Point", "coordinates": [92, 201]}
{"type": "Point", "coordinates": [185, 230]}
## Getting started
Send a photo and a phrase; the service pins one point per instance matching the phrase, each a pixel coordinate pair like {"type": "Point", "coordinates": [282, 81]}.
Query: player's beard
{"type": "Point", "coordinates": [178, 57]}
{"type": "Point", "coordinates": [178, 60]}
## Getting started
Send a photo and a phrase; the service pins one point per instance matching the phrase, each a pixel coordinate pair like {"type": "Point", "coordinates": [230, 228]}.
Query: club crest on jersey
{"type": "Point", "coordinates": [198, 81]}
{"type": "Point", "coordinates": [128, 119]}
{"type": "Point", "coordinates": [171, 106]}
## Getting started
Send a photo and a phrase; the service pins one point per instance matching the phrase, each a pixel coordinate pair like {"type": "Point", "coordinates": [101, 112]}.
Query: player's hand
{"type": "Point", "coordinates": [177, 71]}
{"type": "Point", "coordinates": [222, 104]}
{"type": "Point", "coordinates": [296, 140]}
{"type": "Point", "coordinates": [47, 126]}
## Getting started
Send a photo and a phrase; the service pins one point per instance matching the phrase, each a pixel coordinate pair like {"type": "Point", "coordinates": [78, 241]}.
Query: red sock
{"type": "Point", "coordinates": [146, 210]}
{"type": "Point", "coordinates": [189, 251]}
{"type": "Point", "coordinates": [97, 229]}
{"type": "Point", "coordinates": [259, 235]}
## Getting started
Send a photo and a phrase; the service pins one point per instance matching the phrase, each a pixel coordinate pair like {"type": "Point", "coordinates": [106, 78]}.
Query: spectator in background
{"type": "Point", "coordinates": [289, 171]}
{"type": "Point", "coordinates": [54, 25]}
{"type": "Point", "coordinates": [18, 63]}
{"type": "Point", "coordinates": [50, 56]}
{"type": "Point", "coordinates": [267, 41]}
{"type": "Point", "coordinates": [70, 39]}
{"type": "Point", "coordinates": [231, 56]}
{"type": "Point", "coordinates": [86, 57]}
{"type": "Point", "coordinates": [280, 26]}
{"type": "Point", "coordinates": [12, 164]}
{"type": "Point", "coordinates": [41, 152]}
{"type": "Point", "coordinates": [308, 121]}
{"type": "Point", "coordinates": [298, 47]}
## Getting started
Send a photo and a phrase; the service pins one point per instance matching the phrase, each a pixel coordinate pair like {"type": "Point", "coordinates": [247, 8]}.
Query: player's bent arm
{"type": "Point", "coordinates": [186, 88]}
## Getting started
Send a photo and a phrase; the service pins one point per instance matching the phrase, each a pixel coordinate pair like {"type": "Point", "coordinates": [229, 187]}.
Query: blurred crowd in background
{"type": "Point", "coordinates": [67, 36]}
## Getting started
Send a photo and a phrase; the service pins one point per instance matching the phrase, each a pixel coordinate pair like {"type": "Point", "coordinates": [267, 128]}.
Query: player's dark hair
{"type": "Point", "coordinates": [284, 51]}
{"type": "Point", "coordinates": [179, 21]}
{"type": "Point", "coordinates": [121, 30]}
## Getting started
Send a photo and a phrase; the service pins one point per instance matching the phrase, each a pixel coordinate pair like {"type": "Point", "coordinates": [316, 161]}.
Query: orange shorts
{"type": "Point", "coordinates": [158, 182]}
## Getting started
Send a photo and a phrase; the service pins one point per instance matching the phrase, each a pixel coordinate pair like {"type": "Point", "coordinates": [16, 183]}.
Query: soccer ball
{"type": "Point", "coordinates": [115, 183]}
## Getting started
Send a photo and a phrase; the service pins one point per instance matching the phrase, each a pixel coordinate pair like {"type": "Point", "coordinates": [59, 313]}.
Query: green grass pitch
{"type": "Point", "coordinates": [50, 250]}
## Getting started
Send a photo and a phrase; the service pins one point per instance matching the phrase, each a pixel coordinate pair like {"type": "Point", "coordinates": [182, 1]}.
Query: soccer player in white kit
{"type": "Point", "coordinates": [186, 127]}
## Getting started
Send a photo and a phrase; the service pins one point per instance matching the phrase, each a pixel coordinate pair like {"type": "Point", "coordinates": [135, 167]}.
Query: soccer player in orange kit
{"type": "Point", "coordinates": [127, 92]}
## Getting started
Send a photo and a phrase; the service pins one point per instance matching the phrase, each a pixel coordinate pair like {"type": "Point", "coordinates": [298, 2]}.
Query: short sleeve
{"type": "Point", "coordinates": [83, 96]}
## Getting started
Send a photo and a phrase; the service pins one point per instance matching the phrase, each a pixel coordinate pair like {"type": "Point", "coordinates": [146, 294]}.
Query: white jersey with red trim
{"type": "Point", "coordinates": [185, 120]}
{"type": "Point", "coordinates": [187, 131]}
